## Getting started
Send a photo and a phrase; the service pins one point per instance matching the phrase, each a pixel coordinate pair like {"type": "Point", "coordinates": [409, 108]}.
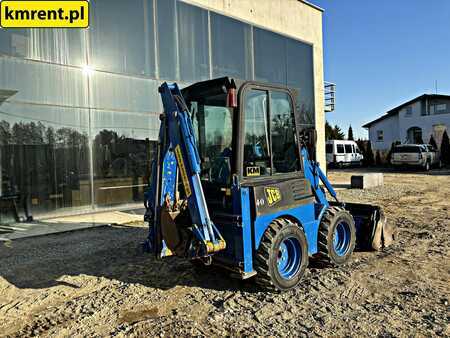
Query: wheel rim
{"type": "Point", "coordinates": [289, 257]}
{"type": "Point", "coordinates": [341, 238]}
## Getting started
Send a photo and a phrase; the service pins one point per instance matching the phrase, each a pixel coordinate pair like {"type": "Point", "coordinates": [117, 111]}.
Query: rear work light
{"type": "Point", "coordinates": [232, 98]}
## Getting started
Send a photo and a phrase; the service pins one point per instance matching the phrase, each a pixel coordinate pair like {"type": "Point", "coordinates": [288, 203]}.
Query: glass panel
{"type": "Point", "coordinates": [439, 107]}
{"type": "Point", "coordinates": [123, 93]}
{"type": "Point", "coordinates": [43, 83]}
{"type": "Point", "coordinates": [213, 126]}
{"type": "Point", "coordinates": [406, 149]}
{"type": "Point", "coordinates": [270, 57]}
{"type": "Point", "coordinates": [329, 148]}
{"type": "Point", "coordinates": [122, 37]}
{"type": "Point", "coordinates": [44, 155]}
{"type": "Point", "coordinates": [231, 47]}
{"type": "Point", "coordinates": [63, 46]}
{"type": "Point", "coordinates": [300, 76]}
{"type": "Point", "coordinates": [122, 153]}
{"type": "Point", "coordinates": [167, 40]}
{"type": "Point", "coordinates": [193, 42]}
{"type": "Point", "coordinates": [340, 148]}
{"type": "Point", "coordinates": [380, 135]}
{"type": "Point", "coordinates": [256, 139]}
{"type": "Point", "coordinates": [348, 148]}
{"type": "Point", "coordinates": [282, 129]}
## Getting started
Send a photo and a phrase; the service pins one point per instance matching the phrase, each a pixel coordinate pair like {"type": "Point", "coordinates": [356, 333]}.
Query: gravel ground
{"type": "Point", "coordinates": [97, 283]}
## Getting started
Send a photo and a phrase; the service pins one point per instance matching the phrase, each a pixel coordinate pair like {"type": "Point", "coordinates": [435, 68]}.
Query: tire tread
{"type": "Point", "coordinates": [262, 257]}
{"type": "Point", "coordinates": [324, 233]}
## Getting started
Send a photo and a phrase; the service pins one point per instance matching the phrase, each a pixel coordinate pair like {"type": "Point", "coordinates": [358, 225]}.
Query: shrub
{"type": "Point", "coordinates": [378, 158]}
{"type": "Point", "coordinates": [368, 155]}
{"type": "Point", "coordinates": [445, 149]}
{"type": "Point", "coordinates": [433, 142]}
{"type": "Point", "coordinates": [389, 155]}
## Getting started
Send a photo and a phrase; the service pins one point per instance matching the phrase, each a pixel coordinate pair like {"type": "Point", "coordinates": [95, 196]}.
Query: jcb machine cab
{"type": "Point", "coordinates": [235, 184]}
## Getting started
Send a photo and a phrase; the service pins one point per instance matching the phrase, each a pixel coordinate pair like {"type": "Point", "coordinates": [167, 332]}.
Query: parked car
{"type": "Point", "coordinates": [415, 155]}
{"type": "Point", "coordinates": [342, 153]}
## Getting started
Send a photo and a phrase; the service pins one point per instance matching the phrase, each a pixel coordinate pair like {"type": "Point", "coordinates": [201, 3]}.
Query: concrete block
{"type": "Point", "coordinates": [366, 181]}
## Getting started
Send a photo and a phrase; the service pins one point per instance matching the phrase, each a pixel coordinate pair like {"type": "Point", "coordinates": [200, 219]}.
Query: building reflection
{"type": "Point", "coordinates": [79, 108]}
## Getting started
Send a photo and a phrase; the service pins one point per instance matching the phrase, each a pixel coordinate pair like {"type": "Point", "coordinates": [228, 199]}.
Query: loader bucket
{"type": "Point", "coordinates": [373, 232]}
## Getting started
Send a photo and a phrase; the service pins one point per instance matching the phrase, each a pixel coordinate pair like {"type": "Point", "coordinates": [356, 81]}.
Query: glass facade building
{"type": "Point", "coordinates": [79, 108]}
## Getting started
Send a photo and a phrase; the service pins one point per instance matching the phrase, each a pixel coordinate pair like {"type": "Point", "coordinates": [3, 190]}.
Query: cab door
{"type": "Point", "coordinates": [269, 152]}
{"type": "Point", "coordinates": [268, 142]}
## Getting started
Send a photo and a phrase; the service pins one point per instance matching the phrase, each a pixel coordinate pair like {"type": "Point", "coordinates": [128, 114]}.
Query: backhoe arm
{"type": "Point", "coordinates": [177, 144]}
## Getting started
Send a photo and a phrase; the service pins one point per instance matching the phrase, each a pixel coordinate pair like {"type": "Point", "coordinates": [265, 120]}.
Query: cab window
{"type": "Point", "coordinates": [256, 134]}
{"type": "Point", "coordinates": [282, 132]}
{"type": "Point", "coordinates": [213, 133]}
{"type": "Point", "coordinates": [270, 146]}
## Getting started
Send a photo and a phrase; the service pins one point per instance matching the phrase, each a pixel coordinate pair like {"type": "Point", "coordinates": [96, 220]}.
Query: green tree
{"type": "Point", "coordinates": [378, 158]}
{"type": "Point", "coordinates": [361, 145]}
{"type": "Point", "coordinates": [333, 133]}
{"type": "Point", "coordinates": [50, 136]}
{"type": "Point", "coordinates": [338, 133]}
{"type": "Point", "coordinates": [329, 132]}
{"type": "Point", "coordinates": [433, 142]}
{"type": "Point", "coordinates": [5, 133]}
{"type": "Point", "coordinates": [368, 156]}
{"type": "Point", "coordinates": [389, 156]}
{"type": "Point", "coordinates": [445, 149]}
{"type": "Point", "coordinates": [350, 134]}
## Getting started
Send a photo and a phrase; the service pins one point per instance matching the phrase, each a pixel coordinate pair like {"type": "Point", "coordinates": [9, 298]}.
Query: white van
{"type": "Point", "coordinates": [342, 153]}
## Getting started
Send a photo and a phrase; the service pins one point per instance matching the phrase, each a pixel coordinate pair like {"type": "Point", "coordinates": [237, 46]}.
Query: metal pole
{"type": "Point", "coordinates": [91, 139]}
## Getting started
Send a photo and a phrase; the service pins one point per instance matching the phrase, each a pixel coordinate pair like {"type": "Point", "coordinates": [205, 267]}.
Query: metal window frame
{"type": "Point", "coordinates": [238, 168]}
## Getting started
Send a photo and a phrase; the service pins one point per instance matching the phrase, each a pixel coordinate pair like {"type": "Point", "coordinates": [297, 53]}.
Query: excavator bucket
{"type": "Point", "coordinates": [174, 232]}
{"type": "Point", "coordinates": [373, 232]}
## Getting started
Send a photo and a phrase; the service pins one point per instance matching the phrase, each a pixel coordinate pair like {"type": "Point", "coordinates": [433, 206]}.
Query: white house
{"type": "Point", "coordinates": [412, 122]}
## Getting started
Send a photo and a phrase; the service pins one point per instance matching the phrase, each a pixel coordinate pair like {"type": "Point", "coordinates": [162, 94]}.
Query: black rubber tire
{"type": "Point", "coordinates": [332, 217]}
{"type": "Point", "coordinates": [266, 257]}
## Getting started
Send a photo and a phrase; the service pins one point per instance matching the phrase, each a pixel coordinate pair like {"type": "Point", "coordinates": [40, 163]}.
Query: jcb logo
{"type": "Point", "coordinates": [273, 195]}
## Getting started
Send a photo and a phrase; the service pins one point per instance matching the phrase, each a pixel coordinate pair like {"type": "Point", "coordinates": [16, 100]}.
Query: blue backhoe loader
{"type": "Point", "coordinates": [235, 183]}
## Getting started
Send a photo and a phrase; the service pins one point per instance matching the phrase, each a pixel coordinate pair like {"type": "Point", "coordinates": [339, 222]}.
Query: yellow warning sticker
{"type": "Point", "coordinates": [181, 166]}
{"type": "Point", "coordinates": [273, 195]}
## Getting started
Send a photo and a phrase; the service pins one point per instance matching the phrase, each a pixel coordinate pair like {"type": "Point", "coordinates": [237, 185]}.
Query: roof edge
{"type": "Point", "coordinates": [381, 118]}
{"type": "Point", "coordinates": [396, 110]}
{"type": "Point", "coordinates": [312, 5]}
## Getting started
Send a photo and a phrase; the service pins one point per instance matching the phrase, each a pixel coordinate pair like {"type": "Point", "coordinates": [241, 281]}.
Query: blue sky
{"type": "Point", "coordinates": [383, 53]}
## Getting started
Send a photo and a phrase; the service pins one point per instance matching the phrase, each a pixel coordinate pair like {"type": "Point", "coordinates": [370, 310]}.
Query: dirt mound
{"type": "Point", "coordinates": [96, 283]}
